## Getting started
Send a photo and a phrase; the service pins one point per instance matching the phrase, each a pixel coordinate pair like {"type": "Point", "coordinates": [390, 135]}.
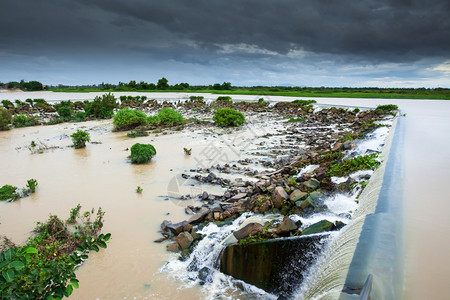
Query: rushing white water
{"type": "Point", "coordinates": [204, 259]}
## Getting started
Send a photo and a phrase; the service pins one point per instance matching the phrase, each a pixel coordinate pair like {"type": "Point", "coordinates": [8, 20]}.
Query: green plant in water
{"type": "Point", "coordinates": [331, 156]}
{"type": "Point", "coordinates": [187, 151]}
{"type": "Point", "coordinates": [292, 182]}
{"type": "Point", "coordinates": [5, 119]}
{"type": "Point", "coordinates": [348, 166]}
{"type": "Point", "coordinates": [79, 138]}
{"type": "Point", "coordinates": [139, 190]}
{"type": "Point", "coordinates": [32, 184]}
{"type": "Point", "coordinates": [8, 192]}
{"type": "Point", "coordinates": [24, 121]}
{"type": "Point", "coordinates": [128, 118]}
{"type": "Point", "coordinates": [44, 268]}
{"type": "Point", "coordinates": [142, 153]}
{"type": "Point", "coordinates": [33, 144]}
{"type": "Point", "coordinates": [225, 117]}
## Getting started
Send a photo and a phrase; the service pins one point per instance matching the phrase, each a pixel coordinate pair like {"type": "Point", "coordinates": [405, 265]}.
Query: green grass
{"type": "Point", "coordinates": [437, 94]}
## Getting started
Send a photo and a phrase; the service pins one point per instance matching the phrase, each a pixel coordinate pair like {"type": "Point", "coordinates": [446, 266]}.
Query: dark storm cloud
{"type": "Point", "coordinates": [384, 29]}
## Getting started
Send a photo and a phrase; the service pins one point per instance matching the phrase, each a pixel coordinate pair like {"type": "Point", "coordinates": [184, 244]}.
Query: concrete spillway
{"type": "Point", "coordinates": [371, 243]}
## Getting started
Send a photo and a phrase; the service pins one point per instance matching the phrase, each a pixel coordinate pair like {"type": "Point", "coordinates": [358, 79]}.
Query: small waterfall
{"type": "Point", "coordinates": [201, 267]}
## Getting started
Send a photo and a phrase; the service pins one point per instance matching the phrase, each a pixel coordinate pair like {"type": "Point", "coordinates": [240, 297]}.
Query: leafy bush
{"type": "Point", "coordinates": [79, 116]}
{"type": "Point", "coordinates": [79, 138]}
{"type": "Point", "coordinates": [24, 121]}
{"type": "Point", "coordinates": [102, 107]}
{"type": "Point", "coordinates": [44, 268]}
{"type": "Point", "coordinates": [142, 153]}
{"type": "Point", "coordinates": [128, 118]}
{"type": "Point", "coordinates": [8, 192]}
{"type": "Point", "coordinates": [5, 119]}
{"type": "Point", "coordinates": [348, 166]}
{"type": "Point", "coordinates": [169, 116]}
{"type": "Point", "coordinates": [388, 109]}
{"type": "Point", "coordinates": [65, 112]}
{"type": "Point", "coordinates": [7, 104]}
{"type": "Point", "coordinates": [32, 184]}
{"type": "Point", "coordinates": [153, 120]}
{"type": "Point", "coordinates": [224, 117]}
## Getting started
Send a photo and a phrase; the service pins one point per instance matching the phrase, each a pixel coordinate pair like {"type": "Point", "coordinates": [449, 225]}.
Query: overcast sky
{"type": "Point", "coordinates": [383, 43]}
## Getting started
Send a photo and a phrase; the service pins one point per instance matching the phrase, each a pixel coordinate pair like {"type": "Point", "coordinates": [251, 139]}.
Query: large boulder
{"type": "Point", "coordinates": [279, 195]}
{"type": "Point", "coordinates": [312, 183]}
{"type": "Point", "coordinates": [286, 226]}
{"type": "Point", "coordinates": [199, 216]}
{"type": "Point", "coordinates": [184, 240]}
{"type": "Point", "coordinates": [176, 228]}
{"type": "Point", "coordinates": [297, 195]}
{"type": "Point", "coordinates": [318, 227]}
{"type": "Point", "coordinates": [173, 247]}
{"type": "Point", "coordinates": [247, 230]}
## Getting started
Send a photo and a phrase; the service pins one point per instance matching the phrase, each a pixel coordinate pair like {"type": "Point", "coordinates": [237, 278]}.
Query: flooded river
{"type": "Point", "coordinates": [101, 175]}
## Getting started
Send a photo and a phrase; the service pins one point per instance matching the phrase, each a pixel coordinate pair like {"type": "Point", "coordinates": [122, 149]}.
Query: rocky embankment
{"type": "Point", "coordinates": [311, 154]}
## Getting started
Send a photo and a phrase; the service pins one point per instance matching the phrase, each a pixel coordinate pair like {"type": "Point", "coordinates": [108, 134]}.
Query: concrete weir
{"type": "Point", "coordinates": [371, 243]}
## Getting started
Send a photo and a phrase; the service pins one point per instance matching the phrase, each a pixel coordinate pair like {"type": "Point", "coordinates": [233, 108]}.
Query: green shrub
{"type": "Point", "coordinates": [169, 116]}
{"type": "Point", "coordinates": [7, 104]}
{"type": "Point", "coordinates": [356, 110]}
{"type": "Point", "coordinates": [65, 112]}
{"type": "Point", "coordinates": [128, 118]}
{"type": "Point", "coordinates": [153, 120]}
{"type": "Point", "coordinates": [8, 192]}
{"type": "Point", "coordinates": [79, 116]}
{"type": "Point", "coordinates": [24, 121]}
{"type": "Point", "coordinates": [5, 119]}
{"type": "Point", "coordinates": [79, 138]}
{"type": "Point", "coordinates": [348, 166]}
{"type": "Point", "coordinates": [225, 117]}
{"type": "Point", "coordinates": [388, 109]}
{"type": "Point", "coordinates": [102, 107]}
{"type": "Point", "coordinates": [44, 268]}
{"type": "Point", "coordinates": [303, 102]}
{"type": "Point", "coordinates": [142, 153]}
{"type": "Point", "coordinates": [32, 184]}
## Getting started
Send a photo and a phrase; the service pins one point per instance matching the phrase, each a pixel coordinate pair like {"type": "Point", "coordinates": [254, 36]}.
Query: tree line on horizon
{"type": "Point", "coordinates": [163, 85]}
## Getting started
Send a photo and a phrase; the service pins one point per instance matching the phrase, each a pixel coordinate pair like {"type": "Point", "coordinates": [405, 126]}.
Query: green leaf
{"type": "Point", "coordinates": [101, 244]}
{"type": "Point", "coordinates": [74, 283]}
{"type": "Point", "coordinates": [8, 275]}
{"type": "Point", "coordinates": [9, 254]}
{"type": "Point", "coordinates": [95, 248]}
{"type": "Point", "coordinates": [107, 237]}
{"type": "Point", "coordinates": [69, 290]}
{"type": "Point", "coordinates": [31, 250]}
{"type": "Point", "coordinates": [18, 265]}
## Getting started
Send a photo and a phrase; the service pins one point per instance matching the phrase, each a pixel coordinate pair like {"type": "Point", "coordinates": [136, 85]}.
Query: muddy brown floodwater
{"type": "Point", "coordinates": [101, 175]}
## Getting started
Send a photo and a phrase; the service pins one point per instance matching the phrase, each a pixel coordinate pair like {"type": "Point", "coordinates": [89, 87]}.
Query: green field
{"type": "Point", "coordinates": [436, 94]}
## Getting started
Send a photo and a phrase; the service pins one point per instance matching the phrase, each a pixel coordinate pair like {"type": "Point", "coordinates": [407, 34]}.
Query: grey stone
{"type": "Point", "coordinates": [297, 195]}
{"type": "Point", "coordinates": [199, 216]}
{"type": "Point", "coordinates": [286, 225]}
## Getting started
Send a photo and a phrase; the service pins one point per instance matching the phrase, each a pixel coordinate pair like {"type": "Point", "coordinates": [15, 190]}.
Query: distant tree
{"type": "Point", "coordinates": [132, 84]}
{"type": "Point", "coordinates": [163, 84]}
{"type": "Point", "coordinates": [217, 86]}
{"type": "Point", "coordinates": [226, 86]}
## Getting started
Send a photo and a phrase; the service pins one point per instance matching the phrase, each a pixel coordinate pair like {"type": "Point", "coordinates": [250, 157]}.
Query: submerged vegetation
{"type": "Point", "coordinates": [79, 138]}
{"type": "Point", "coordinates": [11, 193]}
{"type": "Point", "coordinates": [44, 268]}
